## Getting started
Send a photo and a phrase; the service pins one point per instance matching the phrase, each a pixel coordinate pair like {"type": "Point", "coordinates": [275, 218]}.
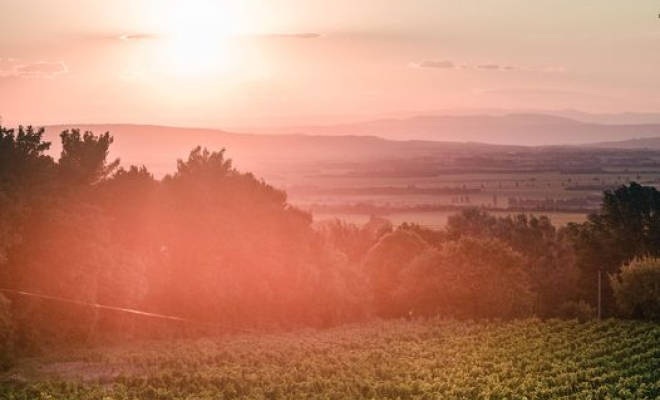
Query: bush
{"type": "Point", "coordinates": [637, 289]}
{"type": "Point", "coordinates": [580, 310]}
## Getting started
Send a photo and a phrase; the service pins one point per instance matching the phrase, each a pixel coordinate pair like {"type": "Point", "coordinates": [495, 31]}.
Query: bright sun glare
{"type": "Point", "coordinates": [197, 37]}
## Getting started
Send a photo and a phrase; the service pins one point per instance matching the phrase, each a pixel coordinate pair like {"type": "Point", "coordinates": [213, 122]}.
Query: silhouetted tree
{"type": "Point", "coordinates": [84, 157]}
{"type": "Point", "coordinates": [25, 172]}
{"type": "Point", "coordinates": [22, 156]}
{"type": "Point", "coordinates": [237, 251]}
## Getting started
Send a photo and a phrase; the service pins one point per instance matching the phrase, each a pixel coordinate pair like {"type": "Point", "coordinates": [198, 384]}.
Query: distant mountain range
{"type": "Point", "coordinates": [159, 147]}
{"type": "Point", "coordinates": [519, 129]}
{"type": "Point", "coordinates": [624, 118]}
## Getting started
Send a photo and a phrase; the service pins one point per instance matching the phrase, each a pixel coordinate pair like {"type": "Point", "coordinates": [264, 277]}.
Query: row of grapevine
{"type": "Point", "coordinates": [430, 359]}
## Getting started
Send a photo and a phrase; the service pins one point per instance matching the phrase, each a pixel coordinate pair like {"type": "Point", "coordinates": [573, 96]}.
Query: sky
{"type": "Point", "coordinates": [255, 62]}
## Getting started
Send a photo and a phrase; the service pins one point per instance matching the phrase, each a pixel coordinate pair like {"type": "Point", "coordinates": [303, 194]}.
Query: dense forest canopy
{"type": "Point", "coordinates": [224, 250]}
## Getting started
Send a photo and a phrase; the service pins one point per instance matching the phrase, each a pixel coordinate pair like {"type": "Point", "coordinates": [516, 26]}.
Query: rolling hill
{"type": "Point", "coordinates": [519, 129]}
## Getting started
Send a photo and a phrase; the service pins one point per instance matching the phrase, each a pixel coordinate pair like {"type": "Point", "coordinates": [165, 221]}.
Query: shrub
{"type": "Point", "coordinates": [637, 288]}
{"type": "Point", "coordinates": [580, 310]}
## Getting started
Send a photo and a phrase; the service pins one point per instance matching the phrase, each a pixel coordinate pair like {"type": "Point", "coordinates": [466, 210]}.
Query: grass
{"type": "Point", "coordinates": [433, 359]}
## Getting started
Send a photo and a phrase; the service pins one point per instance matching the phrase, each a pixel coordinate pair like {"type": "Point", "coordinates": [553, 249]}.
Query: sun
{"type": "Point", "coordinates": [197, 37]}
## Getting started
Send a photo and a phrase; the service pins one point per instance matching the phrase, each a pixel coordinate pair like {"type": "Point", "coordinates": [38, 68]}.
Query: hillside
{"type": "Point", "coordinates": [158, 146]}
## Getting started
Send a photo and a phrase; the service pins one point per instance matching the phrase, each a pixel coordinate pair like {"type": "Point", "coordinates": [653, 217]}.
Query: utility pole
{"type": "Point", "coordinates": [600, 309]}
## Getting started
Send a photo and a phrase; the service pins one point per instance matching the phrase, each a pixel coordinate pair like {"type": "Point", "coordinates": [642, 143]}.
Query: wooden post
{"type": "Point", "coordinates": [600, 309]}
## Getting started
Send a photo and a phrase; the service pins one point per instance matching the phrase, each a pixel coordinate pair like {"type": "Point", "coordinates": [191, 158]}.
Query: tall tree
{"type": "Point", "coordinates": [384, 265]}
{"type": "Point", "coordinates": [84, 157]}
{"type": "Point", "coordinates": [234, 245]}
{"type": "Point", "coordinates": [626, 226]}
{"type": "Point", "coordinates": [548, 259]}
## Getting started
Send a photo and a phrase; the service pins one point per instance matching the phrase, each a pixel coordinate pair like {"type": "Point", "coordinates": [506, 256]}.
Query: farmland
{"type": "Point", "coordinates": [438, 219]}
{"type": "Point", "coordinates": [564, 196]}
{"type": "Point", "coordinates": [427, 359]}
{"type": "Point", "coordinates": [566, 183]}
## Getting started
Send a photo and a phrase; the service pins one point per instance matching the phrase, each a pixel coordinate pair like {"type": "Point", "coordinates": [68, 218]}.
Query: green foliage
{"type": "Point", "coordinates": [22, 155]}
{"type": "Point", "coordinates": [627, 226]}
{"type": "Point", "coordinates": [433, 359]}
{"type": "Point", "coordinates": [468, 278]}
{"type": "Point", "coordinates": [234, 250]}
{"type": "Point", "coordinates": [579, 310]}
{"type": "Point", "coordinates": [24, 171]}
{"type": "Point", "coordinates": [84, 157]}
{"type": "Point", "coordinates": [384, 264]}
{"type": "Point", "coordinates": [548, 258]}
{"type": "Point", "coordinates": [631, 215]}
{"type": "Point", "coordinates": [352, 240]}
{"type": "Point", "coordinates": [637, 288]}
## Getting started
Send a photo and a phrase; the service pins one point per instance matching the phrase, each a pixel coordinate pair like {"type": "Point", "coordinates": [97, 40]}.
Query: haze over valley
{"type": "Point", "coordinates": [329, 199]}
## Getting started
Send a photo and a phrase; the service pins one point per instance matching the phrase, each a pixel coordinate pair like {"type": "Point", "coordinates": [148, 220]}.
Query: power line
{"type": "Point", "coordinates": [346, 346]}
{"type": "Point", "coordinates": [101, 306]}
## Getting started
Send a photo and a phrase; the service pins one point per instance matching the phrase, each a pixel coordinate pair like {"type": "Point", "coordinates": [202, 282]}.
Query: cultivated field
{"type": "Point", "coordinates": [379, 360]}
{"type": "Point", "coordinates": [429, 200]}
{"type": "Point", "coordinates": [438, 219]}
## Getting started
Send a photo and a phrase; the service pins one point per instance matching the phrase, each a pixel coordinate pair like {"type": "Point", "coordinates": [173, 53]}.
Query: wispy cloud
{"type": "Point", "coordinates": [292, 35]}
{"type": "Point", "coordinates": [491, 67]}
{"type": "Point", "coordinates": [12, 67]}
{"type": "Point", "coordinates": [487, 66]}
{"type": "Point", "coordinates": [133, 37]}
{"type": "Point", "coordinates": [437, 64]}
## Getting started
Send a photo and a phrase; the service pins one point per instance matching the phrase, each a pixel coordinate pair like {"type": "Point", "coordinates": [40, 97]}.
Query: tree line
{"type": "Point", "coordinates": [222, 250]}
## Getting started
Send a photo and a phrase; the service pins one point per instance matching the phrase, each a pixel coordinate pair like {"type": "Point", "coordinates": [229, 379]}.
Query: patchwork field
{"type": "Point", "coordinates": [433, 359]}
{"type": "Point", "coordinates": [429, 200]}
{"type": "Point", "coordinates": [438, 219]}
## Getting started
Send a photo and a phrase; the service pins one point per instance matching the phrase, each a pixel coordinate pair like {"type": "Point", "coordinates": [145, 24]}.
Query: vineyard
{"type": "Point", "coordinates": [380, 360]}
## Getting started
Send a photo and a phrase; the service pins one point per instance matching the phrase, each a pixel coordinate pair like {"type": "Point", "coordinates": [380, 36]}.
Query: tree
{"type": "Point", "coordinates": [468, 278]}
{"type": "Point", "coordinates": [631, 215]}
{"type": "Point", "coordinates": [22, 156]}
{"type": "Point", "coordinates": [637, 288]}
{"type": "Point", "coordinates": [383, 267]}
{"type": "Point", "coordinates": [65, 246]}
{"type": "Point", "coordinates": [548, 258]}
{"type": "Point", "coordinates": [627, 226]}
{"type": "Point", "coordinates": [130, 200]}
{"type": "Point", "coordinates": [236, 251]}
{"type": "Point", "coordinates": [352, 240]}
{"type": "Point", "coordinates": [83, 161]}
{"type": "Point", "coordinates": [25, 171]}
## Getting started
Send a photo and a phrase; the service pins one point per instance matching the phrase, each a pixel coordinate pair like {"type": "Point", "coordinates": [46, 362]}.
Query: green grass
{"type": "Point", "coordinates": [379, 360]}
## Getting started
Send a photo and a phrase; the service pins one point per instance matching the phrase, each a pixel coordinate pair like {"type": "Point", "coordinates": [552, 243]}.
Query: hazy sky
{"type": "Point", "coordinates": [219, 63]}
